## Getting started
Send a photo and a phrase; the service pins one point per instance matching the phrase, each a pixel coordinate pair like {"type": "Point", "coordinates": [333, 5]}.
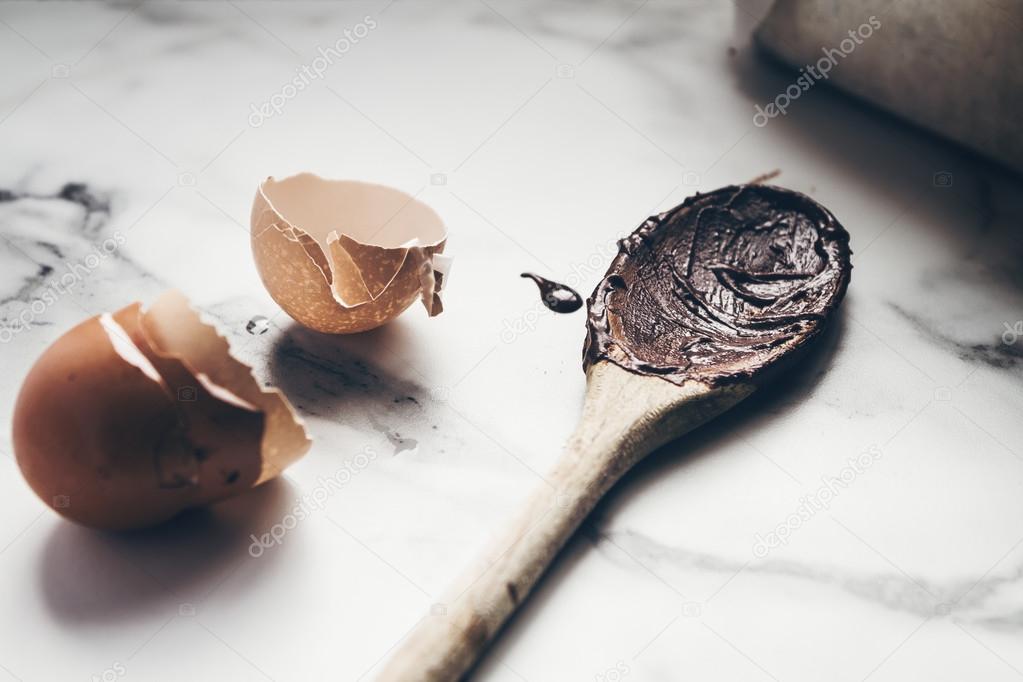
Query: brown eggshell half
{"type": "Point", "coordinates": [115, 431]}
{"type": "Point", "coordinates": [342, 256]}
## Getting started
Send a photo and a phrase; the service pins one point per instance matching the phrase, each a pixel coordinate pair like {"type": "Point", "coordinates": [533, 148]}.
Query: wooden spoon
{"type": "Point", "coordinates": [701, 305]}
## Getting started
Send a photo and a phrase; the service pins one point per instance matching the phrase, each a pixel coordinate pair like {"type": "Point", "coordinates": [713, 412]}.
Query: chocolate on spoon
{"type": "Point", "coordinates": [720, 288]}
{"type": "Point", "coordinates": [702, 304]}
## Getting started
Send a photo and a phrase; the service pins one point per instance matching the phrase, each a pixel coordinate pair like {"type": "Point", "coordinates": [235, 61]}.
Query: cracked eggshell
{"type": "Point", "coordinates": [342, 256]}
{"type": "Point", "coordinates": [115, 427]}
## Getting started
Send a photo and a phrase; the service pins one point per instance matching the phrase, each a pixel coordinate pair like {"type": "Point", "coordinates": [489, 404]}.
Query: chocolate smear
{"type": "Point", "coordinates": [721, 287]}
{"type": "Point", "coordinates": [558, 297]}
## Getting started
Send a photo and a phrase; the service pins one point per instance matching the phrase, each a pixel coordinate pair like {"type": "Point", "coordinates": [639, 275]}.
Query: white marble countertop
{"type": "Point", "coordinates": [541, 132]}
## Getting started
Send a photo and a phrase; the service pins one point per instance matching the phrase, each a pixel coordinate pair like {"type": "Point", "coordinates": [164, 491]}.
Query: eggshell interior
{"type": "Point", "coordinates": [173, 326]}
{"type": "Point", "coordinates": [215, 426]}
{"type": "Point", "coordinates": [369, 214]}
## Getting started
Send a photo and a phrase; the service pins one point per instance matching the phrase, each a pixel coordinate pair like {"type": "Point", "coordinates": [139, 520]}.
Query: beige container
{"type": "Point", "coordinates": [952, 66]}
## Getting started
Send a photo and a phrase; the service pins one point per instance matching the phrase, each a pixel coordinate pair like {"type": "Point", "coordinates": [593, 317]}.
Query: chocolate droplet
{"type": "Point", "coordinates": [558, 297]}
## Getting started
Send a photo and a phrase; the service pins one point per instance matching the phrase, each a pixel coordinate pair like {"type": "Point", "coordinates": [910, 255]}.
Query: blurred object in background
{"type": "Point", "coordinates": [952, 66]}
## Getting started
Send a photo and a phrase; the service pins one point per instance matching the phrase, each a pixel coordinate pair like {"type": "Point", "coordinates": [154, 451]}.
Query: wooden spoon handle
{"type": "Point", "coordinates": [625, 417]}
{"type": "Point", "coordinates": [448, 640]}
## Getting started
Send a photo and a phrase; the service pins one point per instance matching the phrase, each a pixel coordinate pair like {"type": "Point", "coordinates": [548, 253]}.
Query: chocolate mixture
{"type": "Point", "coordinates": [560, 298]}
{"type": "Point", "coordinates": [720, 287]}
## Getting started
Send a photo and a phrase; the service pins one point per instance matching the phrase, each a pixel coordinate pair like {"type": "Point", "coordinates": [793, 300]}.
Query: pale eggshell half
{"type": "Point", "coordinates": [120, 424]}
{"type": "Point", "coordinates": [341, 256]}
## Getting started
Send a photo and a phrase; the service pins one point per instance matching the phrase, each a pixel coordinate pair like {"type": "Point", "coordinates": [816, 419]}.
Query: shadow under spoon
{"type": "Point", "coordinates": [703, 304]}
